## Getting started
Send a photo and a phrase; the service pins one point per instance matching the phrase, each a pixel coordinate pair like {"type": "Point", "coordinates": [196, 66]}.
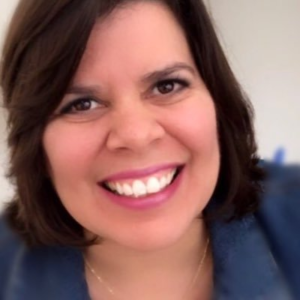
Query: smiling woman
{"type": "Point", "coordinates": [139, 128]}
{"type": "Point", "coordinates": [132, 149]}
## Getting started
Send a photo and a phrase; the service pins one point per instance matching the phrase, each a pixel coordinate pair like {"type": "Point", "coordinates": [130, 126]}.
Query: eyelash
{"type": "Point", "coordinates": [67, 109]}
{"type": "Point", "coordinates": [175, 81]}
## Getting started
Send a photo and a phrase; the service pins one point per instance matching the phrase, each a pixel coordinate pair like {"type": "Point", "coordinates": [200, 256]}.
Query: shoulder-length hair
{"type": "Point", "coordinates": [45, 43]}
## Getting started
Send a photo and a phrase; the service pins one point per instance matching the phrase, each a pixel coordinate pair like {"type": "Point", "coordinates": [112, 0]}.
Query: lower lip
{"type": "Point", "coordinates": [149, 202]}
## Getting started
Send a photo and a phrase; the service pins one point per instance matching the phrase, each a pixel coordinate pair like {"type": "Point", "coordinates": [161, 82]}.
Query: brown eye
{"type": "Point", "coordinates": [84, 104]}
{"type": "Point", "coordinates": [165, 87]}
{"type": "Point", "coordinates": [170, 86]}
{"type": "Point", "coordinates": [80, 106]}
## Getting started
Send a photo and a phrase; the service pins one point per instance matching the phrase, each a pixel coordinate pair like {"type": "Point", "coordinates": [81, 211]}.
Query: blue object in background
{"type": "Point", "coordinates": [279, 156]}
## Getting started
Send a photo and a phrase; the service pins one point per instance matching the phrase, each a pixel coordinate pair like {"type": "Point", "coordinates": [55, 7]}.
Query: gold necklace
{"type": "Point", "coordinates": [111, 291]}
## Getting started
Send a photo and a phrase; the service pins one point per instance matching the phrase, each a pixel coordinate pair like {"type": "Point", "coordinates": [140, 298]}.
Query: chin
{"type": "Point", "coordinates": [156, 239]}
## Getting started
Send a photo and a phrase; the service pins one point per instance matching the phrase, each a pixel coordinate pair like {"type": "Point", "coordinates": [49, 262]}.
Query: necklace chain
{"type": "Point", "coordinates": [190, 286]}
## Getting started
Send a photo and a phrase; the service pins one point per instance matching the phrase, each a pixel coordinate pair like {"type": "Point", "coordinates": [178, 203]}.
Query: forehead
{"type": "Point", "coordinates": [140, 35]}
{"type": "Point", "coordinates": [139, 15]}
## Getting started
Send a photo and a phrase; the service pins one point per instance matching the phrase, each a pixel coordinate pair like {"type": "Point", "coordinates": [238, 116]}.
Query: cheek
{"type": "Point", "coordinates": [196, 128]}
{"type": "Point", "coordinates": [69, 149]}
{"type": "Point", "coordinates": [199, 135]}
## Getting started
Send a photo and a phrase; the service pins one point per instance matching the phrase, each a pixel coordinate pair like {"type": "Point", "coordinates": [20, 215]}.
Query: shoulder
{"type": "Point", "coordinates": [284, 175]}
{"type": "Point", "coordinates": [10, 245]}
{"type": "Point", "coordinates": [280, 204]}
{"type": "Point", "coordinates": [279, 218]}
{"type": "Point", "coordinates": [264, 247]}
{"type": "Point", "coordinates": [46, 272]}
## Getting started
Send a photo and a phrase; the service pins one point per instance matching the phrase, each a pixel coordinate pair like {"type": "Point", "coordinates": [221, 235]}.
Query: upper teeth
{"type": "Point", "coordinates": [138, 188]}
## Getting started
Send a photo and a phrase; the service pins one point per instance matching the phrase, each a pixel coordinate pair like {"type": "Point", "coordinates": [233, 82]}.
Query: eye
{"type": "Point", "coordinates": [79, 106]}
{"type": "Point", "coordinates": [170, 86]}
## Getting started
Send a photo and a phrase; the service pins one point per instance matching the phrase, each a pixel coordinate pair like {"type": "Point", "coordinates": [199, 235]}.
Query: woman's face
{"type": "Point", "coordinates": [136, 112]}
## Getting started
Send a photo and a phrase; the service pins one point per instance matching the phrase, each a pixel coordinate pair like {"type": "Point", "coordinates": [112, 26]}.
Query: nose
{"type": "Point", "coordinates": [134, 127]}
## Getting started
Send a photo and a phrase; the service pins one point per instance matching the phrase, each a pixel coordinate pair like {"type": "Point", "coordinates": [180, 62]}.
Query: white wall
{"type": "Point", "coordinates": [5, 189]}
{"type": "Point", "coordinates": [6, 9]}
{"type": "Point", "coordinates": [262, 40]}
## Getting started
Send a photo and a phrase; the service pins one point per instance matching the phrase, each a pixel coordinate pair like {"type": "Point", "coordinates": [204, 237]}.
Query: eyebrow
{"type": "Point", "coordinates": [149, 77]}
{"type": "Point", "coordinates": [166, 71]}
{"type": "Point", "coordinates": [82, 90]}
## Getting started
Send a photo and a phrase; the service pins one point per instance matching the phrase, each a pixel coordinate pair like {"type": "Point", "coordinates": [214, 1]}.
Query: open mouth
{"type": "Point", "coordinates": [143, 187]}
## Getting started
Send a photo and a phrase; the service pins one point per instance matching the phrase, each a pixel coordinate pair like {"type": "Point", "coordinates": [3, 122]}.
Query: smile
{"type": "Point", "coordinates": [139, 188]}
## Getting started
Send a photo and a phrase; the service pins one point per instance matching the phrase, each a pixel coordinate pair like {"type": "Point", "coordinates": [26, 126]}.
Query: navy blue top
{"type": "Point", "coordinates": [256, 258]}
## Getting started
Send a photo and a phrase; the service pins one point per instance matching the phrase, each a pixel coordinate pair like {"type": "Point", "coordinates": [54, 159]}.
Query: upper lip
{"type": "Point", "coordinates": [139, 173]}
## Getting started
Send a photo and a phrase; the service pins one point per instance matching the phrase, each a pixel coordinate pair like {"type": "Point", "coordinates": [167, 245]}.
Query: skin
{"type": "Point", "coordinates": [129, 124]}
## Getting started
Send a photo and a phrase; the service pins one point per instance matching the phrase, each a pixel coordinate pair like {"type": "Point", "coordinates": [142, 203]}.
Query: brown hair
{"type": "Point", "coordinates": [43, 48]}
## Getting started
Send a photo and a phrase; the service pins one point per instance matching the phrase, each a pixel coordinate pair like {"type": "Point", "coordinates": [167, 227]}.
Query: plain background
{"type": "Point", "coordinates": [262, 41]}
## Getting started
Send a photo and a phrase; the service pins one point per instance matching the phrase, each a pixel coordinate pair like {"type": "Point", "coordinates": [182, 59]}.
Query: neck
{"type": "Point", "coordinates": [172, 268]}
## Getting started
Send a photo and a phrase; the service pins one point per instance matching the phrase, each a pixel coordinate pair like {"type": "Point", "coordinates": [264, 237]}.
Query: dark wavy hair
{"type": "Point", "coordinates": [44, 45]}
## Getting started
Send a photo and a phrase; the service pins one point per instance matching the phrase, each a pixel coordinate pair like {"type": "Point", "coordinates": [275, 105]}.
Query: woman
{"type": "Point", "coordinates": [133, 158]}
